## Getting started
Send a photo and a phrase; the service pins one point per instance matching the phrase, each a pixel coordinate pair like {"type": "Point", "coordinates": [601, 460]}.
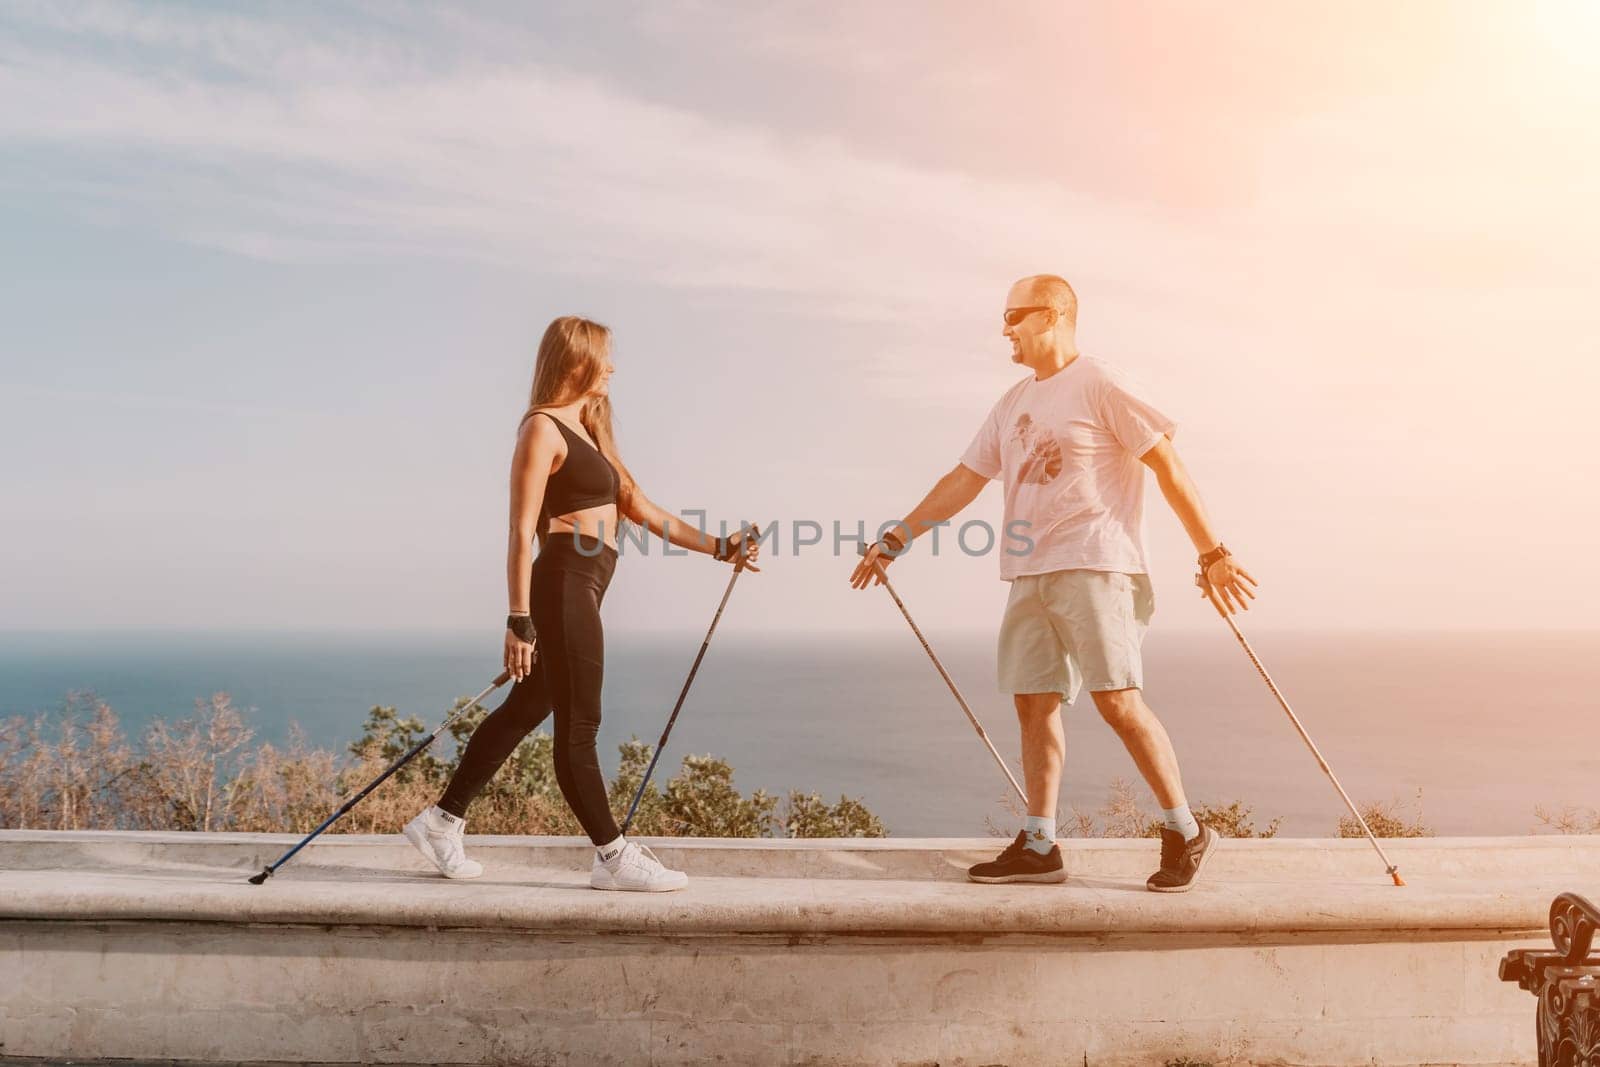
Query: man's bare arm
{"type": "Point", "coordinates": [1181, 493]}
{"type": "Point", "coordinates": [944, 501]}
{"type": "Point", "coordinates": [1183, 496]}
{"type": "Point", "coordinates": [949, 496]}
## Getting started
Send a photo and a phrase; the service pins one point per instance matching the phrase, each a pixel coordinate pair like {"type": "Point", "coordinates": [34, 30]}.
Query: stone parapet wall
{"type": "Point", "coordinates": [154, 946]}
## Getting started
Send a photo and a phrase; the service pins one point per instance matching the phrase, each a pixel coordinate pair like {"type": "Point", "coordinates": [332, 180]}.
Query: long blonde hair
{"type": "Point", "coordinates": [571, 360]}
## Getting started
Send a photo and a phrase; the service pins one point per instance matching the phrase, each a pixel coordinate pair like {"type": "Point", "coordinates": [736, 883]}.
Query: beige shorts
{"type": "Point", "coordinates": [1068, 629]}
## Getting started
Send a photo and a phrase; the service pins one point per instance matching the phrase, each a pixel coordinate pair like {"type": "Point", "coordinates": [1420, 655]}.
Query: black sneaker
{"type": "Point", "coordinates": [1181, 860]}
{"type": "Point", "coordinates": [1019, 863]}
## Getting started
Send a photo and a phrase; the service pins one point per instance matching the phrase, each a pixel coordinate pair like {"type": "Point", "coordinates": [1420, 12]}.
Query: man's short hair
{"type": "Point", "coordinates": [1053, 290]}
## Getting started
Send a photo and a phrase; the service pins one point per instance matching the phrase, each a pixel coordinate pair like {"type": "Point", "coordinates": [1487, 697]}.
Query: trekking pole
{"type": "Point", "coordinates": [271, 868]}
{"type": "Point", "coordinates": [861, 549]}
{"type": "Point", "coordinates": [638, 795]}
{"type": "Point", "coordinates": [1227, 617]}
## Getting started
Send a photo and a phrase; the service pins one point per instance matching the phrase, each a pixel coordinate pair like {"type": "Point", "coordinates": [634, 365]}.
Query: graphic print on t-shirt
{"type": "Point", "coordinates": [1068, 450]}
{"type": "Point", "coordinates": [1042, 462]}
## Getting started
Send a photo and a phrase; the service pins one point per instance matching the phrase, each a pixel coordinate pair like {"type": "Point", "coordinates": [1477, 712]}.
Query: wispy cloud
{"type": "Point", "coordinates": [233, 133]}
{"type": "Point", "coordinates": [1355, 243]}
{"type": "Point", "coordinates": [419, 137]}
{"type": "Point", "coordinates": [77, 402]}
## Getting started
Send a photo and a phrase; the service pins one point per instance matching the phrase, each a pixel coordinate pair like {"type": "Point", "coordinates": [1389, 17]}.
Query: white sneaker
{"type": "Point", "coordinates": [437, 835]}
{"type": "Point", "coordinates": [635, 869]}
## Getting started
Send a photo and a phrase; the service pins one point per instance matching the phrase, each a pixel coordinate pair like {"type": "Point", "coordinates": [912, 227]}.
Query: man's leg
{"type": "Point", "coordinates": [1102, 617]}
{"type": "Point", "coordinates": [1185, 843]}
{"type": "Point", "coordinates": [1044, 747]}
{"type": "Point", "coordinates": [1034, 856]}
{"type": "Point", "coordinates": [1146, 740]}
{"type": "Point", "coordinates": [1033, 667]}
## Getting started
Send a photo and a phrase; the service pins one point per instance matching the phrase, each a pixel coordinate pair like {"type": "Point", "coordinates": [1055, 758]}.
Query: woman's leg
{"type": "Point", "coordinates": [574, 664]}
{"type": "Point", "coordinates": [491, 744]}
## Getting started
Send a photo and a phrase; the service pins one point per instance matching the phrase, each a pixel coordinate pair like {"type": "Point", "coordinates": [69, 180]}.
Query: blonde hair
{"type": "Point", "coordinates": [572, 356]}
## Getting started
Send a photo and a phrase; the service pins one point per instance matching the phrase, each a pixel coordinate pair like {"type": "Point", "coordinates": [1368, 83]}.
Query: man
{"type": "Point", "coordinates": [1068, 442]}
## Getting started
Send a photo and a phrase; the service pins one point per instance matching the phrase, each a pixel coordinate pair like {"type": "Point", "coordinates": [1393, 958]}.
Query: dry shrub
{"type": "Point", "coordinates": [22, 774]}
{"type": "Point", "coordinates": [1567, 819]}
{"type": "Point", "coordinates": [74, 777]}
{"type": "Point", "coordinates": [289, 790]}
{"type": "Point", "coordinates": [191, 773]}
{"type": "Point", "coordinates": [77, 771]}
{"type": "Point", "coordinates": [1386, 819]}
{"type": "Point", "coordinates": [1123, 816]}
{"type": "Point", "coordinates": [808, 815]}
{"type": "Point", "coordinates": [1119, 816]}
{"type": "Point", "coordinates": [522, 797]}
{"type": "Point", "coordinates": [1233, 820]}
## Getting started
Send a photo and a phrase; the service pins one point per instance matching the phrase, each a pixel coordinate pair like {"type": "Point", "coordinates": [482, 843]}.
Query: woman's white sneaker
{"type": "Point", "coordinates": [637, 870]}
{"type": "Point", "coordinates": [437, 835]}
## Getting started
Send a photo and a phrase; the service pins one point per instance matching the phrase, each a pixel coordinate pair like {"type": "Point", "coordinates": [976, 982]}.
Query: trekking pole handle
{"type": "Point", "coordinates": [750, 533]}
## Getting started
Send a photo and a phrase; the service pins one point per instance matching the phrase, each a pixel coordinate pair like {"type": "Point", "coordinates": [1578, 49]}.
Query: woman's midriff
{"type": "Point", "coordinates": [599, 522]}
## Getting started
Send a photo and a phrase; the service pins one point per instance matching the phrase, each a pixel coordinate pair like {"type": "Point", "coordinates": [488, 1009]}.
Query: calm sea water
{"type": "Point", "coordinates": [1485, 725]}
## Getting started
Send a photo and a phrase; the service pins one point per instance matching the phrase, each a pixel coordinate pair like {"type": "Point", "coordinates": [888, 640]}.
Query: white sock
{"type": "Point", "coordinates": [1041, 833]}
{"type": "Point", "coordinates": [609, 852]}
{"type": "Point", "coordinates": [1180, 819]}
{"type": "Point", "coordinates": [441, 820]}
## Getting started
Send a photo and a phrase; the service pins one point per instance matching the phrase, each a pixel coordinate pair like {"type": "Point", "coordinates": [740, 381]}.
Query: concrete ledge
{"type": "Point", "coordinates": [934, 858]}
{"type": "Point", "coordinates": [835, 952]}
{"type": "Point", "coordinates": [1252, 887]}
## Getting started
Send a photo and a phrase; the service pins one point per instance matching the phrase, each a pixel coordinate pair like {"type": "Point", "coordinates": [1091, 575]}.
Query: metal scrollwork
{"type": "Point", "coordinates": [1566, 983]}
{"type": "Point", "coordinates": [1572, 926]}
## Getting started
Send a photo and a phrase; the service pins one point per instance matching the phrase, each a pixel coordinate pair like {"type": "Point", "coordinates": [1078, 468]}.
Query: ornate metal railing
{"type": "Point", "coordinates": [1567, 983]}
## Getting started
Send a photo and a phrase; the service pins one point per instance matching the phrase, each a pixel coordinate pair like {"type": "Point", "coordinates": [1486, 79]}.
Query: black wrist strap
{"type": "Point", "coordinates": [727, 548]}
{"type": "Point", "coordinates": [522, 626]}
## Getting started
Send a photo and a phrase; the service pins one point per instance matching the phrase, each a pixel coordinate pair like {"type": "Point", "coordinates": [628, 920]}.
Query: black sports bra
{"type": "Point", "coordinates": [585, 480]}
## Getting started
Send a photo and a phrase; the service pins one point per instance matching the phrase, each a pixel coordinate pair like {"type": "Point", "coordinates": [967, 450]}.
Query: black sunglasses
{"type": "Point", "coordinates": [1016, 315]}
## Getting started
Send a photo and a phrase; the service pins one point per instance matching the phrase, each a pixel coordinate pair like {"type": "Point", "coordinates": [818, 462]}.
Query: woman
{"type": "Point", "coordinates": [568, 487]}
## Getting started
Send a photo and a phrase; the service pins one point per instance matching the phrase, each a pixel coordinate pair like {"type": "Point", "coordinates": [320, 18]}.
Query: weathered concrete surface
{"type": "Point", "coordinates": [154, 946]}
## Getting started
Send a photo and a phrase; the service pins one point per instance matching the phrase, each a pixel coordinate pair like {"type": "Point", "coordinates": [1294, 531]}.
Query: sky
{"type": "Point", "coordinates": [271, 282]}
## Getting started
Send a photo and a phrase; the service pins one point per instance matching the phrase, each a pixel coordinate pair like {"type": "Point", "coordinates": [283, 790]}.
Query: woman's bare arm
{"type": "Point", "coordinates": [670, 528]}
{"type": "Point", "coordinates": [537, 449]}
{"type": "Point", "coordinates": [679, 531]}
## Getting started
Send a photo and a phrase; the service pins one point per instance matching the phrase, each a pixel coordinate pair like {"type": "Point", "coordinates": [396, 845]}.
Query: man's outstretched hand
{"type": "Point", "coordinates": [1228, 579]}
{"type": "Point", "coordinates": [866, 571]}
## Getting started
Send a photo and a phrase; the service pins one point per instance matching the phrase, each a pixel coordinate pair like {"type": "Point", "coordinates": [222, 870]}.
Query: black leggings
{"type": "Point", "coordinates": [567, 588]}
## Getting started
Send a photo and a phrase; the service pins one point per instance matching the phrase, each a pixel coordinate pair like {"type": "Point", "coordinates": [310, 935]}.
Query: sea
{"type": "Point", "coordinates": [1469, 732]}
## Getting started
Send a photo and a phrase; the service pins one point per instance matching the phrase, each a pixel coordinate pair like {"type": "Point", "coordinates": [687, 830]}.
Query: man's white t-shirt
{"type": "Point", "coordinates": [1067, 449]}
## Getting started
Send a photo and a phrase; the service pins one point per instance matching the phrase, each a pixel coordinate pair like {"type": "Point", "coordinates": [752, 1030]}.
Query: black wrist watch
{"type": "Point", "coordinates": [522, 626]}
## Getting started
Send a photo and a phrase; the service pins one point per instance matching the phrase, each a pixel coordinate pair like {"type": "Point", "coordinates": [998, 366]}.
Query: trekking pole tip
{"type": "Point", "coordinates": [266, 872]}
{"type": "Point", "coordinates": [1394, 873]}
